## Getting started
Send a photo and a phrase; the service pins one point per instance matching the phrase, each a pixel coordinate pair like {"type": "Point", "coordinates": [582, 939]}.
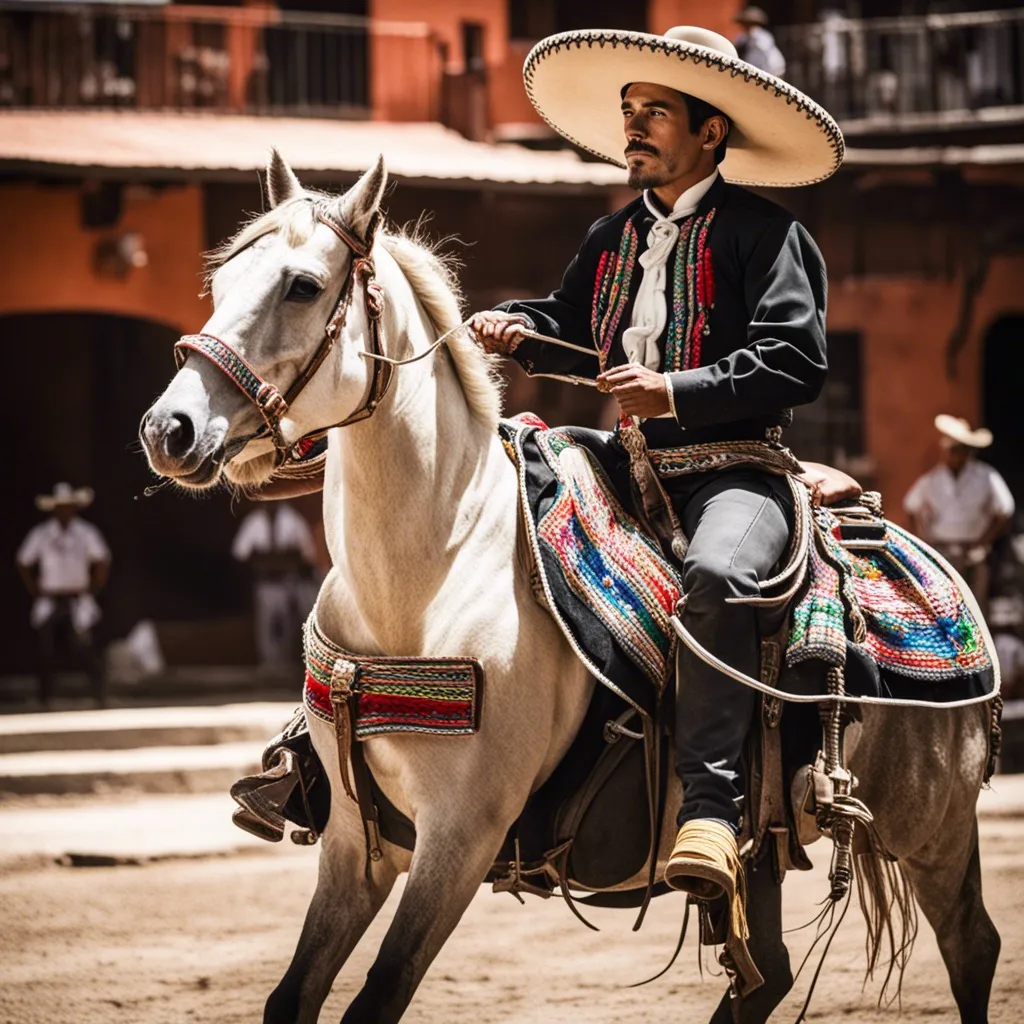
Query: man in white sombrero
{"type": "Point", "coordinates": [707, 306]}
{"type": "Point", "coordinates": [962, 505]}
{"type": "Point", "coordinates": [64, 562]}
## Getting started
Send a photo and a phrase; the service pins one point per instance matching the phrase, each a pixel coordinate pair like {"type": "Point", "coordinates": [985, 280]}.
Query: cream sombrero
{"type": "Point", "coordinates": [64, 494]}
{"type": "Point", "coordinates": [959, 431]}
{"type": "Point", "coordinates": [780, 137]}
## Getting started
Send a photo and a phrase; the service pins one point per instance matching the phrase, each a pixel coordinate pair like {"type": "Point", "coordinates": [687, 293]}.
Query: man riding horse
{"type": "Point", "coordinates": [706, 303]}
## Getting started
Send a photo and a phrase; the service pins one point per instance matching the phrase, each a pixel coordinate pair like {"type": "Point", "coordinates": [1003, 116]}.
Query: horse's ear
{"type": "Point", "coordinates": [281, 181]}
{"type": "Point", "coordinates": [359, 204]}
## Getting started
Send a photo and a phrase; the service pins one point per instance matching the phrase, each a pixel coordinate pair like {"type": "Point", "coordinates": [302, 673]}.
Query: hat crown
{"type": "Point", "coordinates": [696, 36]}
{"type": "Point", "coordinates": [63, 490]}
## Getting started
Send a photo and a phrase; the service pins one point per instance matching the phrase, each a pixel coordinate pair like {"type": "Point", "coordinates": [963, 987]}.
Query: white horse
{"type": "Point", "coordinates": [420, 509]}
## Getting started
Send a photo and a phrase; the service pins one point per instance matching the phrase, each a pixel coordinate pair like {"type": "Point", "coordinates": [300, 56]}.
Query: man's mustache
{"type": "Point", "coordinates": [636, 146]}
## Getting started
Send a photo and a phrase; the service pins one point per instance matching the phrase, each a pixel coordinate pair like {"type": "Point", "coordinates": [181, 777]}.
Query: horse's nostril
{"type": "Point", "coordinates": [179, 437]}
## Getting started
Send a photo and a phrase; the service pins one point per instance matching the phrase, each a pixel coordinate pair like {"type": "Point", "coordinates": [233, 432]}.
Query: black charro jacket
{"type": "Point", "coordinates": [766, 348]}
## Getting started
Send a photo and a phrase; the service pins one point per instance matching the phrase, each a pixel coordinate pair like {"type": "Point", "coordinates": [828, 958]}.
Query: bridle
{"type": "Point", "coordinates": [272, 405]}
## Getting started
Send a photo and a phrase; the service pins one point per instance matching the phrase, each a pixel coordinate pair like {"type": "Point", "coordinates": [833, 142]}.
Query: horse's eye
{"type": "Point", "coordinates": [303, 289]}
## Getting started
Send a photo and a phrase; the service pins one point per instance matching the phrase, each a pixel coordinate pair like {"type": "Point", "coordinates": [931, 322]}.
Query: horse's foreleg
{"type": "Point", "coordinates": [767, 948]}
{"type": "Point", "coordinates": [948, 890]}
{"type": "Point", "coordinates": [343, 905]}
{"type": "Point", "coordinates": [450, 862]}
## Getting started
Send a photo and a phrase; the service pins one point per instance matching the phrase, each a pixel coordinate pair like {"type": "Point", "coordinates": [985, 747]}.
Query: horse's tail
{"type": "Point", "coordinates": [890, 912]}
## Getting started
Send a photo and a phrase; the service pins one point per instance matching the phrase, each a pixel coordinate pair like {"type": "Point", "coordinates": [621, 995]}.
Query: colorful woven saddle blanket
{"type": "Point", "coordinates": [894, 614]}
{"type": "Point", "coordinates": [605, 582]}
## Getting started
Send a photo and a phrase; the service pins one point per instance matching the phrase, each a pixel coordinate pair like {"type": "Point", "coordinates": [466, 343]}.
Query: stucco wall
{"type": "Point", "coordinates": [905, 324]}
{"type": "Point", "coordinates": [48, 257]}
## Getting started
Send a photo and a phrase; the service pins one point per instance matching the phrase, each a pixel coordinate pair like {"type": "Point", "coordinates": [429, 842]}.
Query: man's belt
{"type": "Point", "coordinates": [702, 458]}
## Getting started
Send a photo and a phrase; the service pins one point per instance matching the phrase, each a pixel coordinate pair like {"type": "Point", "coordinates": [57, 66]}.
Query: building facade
{"type": "Point", "coordinates": [130, 139]}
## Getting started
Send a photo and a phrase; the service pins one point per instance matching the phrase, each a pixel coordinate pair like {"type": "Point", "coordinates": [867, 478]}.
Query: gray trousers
{"type": "Point", "coordinates": [739, 524]}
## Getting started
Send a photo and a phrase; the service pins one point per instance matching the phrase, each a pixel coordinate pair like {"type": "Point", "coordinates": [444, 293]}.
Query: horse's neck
{"type": "Point", "coordinates": [408, 493]}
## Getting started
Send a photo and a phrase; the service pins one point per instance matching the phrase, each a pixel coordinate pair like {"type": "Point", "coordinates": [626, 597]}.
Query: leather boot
{"type": "Point", "coordinates": [705, 861]}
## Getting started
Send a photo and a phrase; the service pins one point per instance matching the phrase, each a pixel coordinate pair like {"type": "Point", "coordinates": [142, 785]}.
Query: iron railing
{"type": "Point", "coordinates": [907, 72]}
{"type": "Point", "coordinates": [246, 60]}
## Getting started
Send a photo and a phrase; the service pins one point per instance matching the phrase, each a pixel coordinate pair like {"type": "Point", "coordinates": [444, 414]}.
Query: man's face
{"type": "Point", "coordinates": [659, 145]}
{"type": "Point", "coordinates": [955, 455]}
{"type": "Point", "coordinates": [65, 513]}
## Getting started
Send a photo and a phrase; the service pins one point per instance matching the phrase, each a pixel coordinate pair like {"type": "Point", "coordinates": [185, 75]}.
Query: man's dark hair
{"type": "Point", "coordinates": [699, 111]}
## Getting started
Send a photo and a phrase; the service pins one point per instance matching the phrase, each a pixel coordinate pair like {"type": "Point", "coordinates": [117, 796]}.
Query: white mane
{"type": "Point", "coordinates": [430, 275]}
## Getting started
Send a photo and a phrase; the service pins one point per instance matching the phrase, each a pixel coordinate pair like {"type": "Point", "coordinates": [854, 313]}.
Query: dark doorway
{"type": "Point", "coordinates": [1001, 384]}
{"type": "Point", "coordinates": [83, 383]}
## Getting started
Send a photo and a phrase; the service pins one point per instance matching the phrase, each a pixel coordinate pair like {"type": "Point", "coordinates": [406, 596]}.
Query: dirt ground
{"type": "Point", "coordinates": [206, 940]}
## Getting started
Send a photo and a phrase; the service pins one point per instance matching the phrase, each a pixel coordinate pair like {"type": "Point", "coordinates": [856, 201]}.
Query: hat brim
{"type": "Point", "coordinates": [951, 427]}
{"type": "Point", "coordinates": [81, 498]}
{"type": "Point", "coordinates": [780, 137]}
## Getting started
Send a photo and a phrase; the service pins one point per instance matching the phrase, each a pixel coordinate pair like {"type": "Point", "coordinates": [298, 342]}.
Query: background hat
{"type": "Point", "coordinates": [64, 494]}
{"type": "Point", "coordinates": [751, 16]}
{"type": "Point", "coordinates": [959, 430]}
{"type": "Point", "coordinates": [780, 137]}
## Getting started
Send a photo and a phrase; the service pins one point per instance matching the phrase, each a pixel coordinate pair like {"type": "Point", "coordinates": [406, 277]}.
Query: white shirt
{"type": "Point", "coordinates": [958, 509]}
{"type": "Point", "coordinates": [286, 530]}
{"type": "Point", "coordinates": [650, 310]}
{"type": "Point", "coordinates": [63, 555]}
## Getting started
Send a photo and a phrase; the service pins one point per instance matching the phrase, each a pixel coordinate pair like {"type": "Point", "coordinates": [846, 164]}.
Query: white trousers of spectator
{"type": "Point", "coordinates": [281, 607]}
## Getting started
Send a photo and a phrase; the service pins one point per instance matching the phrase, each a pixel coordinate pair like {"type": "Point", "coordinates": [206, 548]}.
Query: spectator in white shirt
{"type": "Point", "coordinates": [961, 505]}
{"type": "Point", "coordinates": [279, 547]}
{"type": "Point", "coordinates": [756, 45]}
{"type": "Point", "coordinates": [64, 563]}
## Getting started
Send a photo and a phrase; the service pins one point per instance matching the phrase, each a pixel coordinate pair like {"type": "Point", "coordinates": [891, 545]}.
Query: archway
{"type": "Point", "coordinates": [77, 385]}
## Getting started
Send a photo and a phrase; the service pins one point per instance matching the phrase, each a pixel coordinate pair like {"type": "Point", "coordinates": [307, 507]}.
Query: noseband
{"type": "Point", "coordinates": [271, 404]}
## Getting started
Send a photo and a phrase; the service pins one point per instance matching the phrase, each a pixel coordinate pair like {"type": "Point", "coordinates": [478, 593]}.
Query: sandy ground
{"type": "Point", "coordinates": [205, 940]}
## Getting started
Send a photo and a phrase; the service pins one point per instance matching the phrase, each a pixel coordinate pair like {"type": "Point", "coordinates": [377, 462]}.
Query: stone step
{"type": "Point", "coordinates": [169, 769]}
{"type": "Point", "coordinates": [125, 830]}
{"type": "Point", "coordinates": [129, 728]}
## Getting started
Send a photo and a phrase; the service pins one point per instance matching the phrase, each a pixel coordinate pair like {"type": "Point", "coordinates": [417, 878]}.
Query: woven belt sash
{"type": "Point", "coordinates": [700, 458]}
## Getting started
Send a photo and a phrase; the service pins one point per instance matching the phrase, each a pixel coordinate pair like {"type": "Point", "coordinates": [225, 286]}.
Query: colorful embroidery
{"type": "Point", "coordinates": [918, 623]}
{"type": "Point", "coordinates": [693, 292]}
{"type": "Point", "coordinates": [611, 290]}
{"type": "Point", "coordinates": [607, 560]}
{"type": "Point", "coordinates": [436, 696]}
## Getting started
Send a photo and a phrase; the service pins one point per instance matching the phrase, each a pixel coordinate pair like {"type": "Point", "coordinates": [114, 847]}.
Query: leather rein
{"type": "Point", "coordinates": [271, 403]}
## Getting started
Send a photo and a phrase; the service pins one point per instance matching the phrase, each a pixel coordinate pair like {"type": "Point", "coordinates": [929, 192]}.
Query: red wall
{"type": "Point", "coordinates": [905, 324]}
{"type": "Point", "coordinates": [47, 255]}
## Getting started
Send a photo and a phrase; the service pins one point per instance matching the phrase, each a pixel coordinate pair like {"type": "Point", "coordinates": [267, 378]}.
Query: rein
{"type": "Point", "coordinates": [268, 399]}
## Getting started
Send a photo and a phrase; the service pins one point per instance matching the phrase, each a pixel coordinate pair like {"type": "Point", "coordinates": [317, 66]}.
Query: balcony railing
{"type": "Point", "coordinates": [244, 60]}
{"type": "Point", "coordinates": [911, 72]}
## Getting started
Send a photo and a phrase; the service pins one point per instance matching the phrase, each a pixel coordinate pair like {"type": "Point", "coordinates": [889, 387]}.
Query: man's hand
{"type": "Point", "coordinates": [827, 484]}
{"type": "Point", "coordinates": [638, 390]}
{"type": "Point", "coordinates": [498, 333]}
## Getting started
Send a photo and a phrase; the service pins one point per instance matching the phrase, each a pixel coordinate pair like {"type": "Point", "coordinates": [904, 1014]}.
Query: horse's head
{"type": "Point", "coordinates": [276, 287]}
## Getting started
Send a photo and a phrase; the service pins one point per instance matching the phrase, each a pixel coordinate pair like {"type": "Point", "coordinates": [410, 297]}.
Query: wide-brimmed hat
{"type": "Point", "coordinates": [959, 430]}
{"type": "Point", "coordinates": [64, 494]}
{"type": "Point", "coordinates": [751, 16]}
{"type": "Point", "coordinates": [779, 136]}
